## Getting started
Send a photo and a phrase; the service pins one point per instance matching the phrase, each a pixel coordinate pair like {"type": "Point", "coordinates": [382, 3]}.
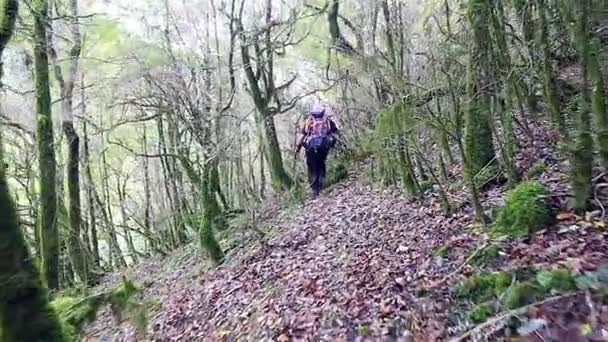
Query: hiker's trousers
{"type": "Point", "coordinates": [315, 162]}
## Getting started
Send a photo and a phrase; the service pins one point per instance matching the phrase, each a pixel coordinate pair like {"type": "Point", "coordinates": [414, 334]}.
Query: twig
{"type": "Point", "coordinates": [510, 314]}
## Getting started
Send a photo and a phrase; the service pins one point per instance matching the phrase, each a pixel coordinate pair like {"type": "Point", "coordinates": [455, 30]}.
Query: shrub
{"type": "Point", "coordinates": [524, 211]}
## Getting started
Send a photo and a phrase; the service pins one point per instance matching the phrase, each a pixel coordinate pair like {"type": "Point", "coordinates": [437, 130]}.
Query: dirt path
{"type": "Point", "coordinates": [341, 270]}
{"type": "Point", "coordinates": [348, 267]}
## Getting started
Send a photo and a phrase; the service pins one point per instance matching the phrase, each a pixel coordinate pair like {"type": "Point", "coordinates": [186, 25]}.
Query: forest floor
{"type": "Point", "coordinates": [361, 263]}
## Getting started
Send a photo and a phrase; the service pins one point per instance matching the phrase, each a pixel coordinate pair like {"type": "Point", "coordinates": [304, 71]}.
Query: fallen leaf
{"type": "Point", "coordinates": [283, 338]}
{"type": "Point", "coordinates": [567, 216]}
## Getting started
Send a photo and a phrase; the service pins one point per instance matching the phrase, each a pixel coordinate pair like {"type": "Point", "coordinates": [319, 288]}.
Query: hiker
{"type": "Point", "coordinates": [318, 137]}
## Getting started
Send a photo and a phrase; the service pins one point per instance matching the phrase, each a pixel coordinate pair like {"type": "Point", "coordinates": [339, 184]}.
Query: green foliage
{"type": "Point", "coordinates": [363, 330]}
{"type": "Point", "coordinates": [537, 169]}
{"type": "Point", "coordinates": [481, 313]}
{"type": "Point", "coordinates": [524, 210]}
{"type": "Point", "coordinates": [560, 279]}
{"type": "Point", "coordinates": [391, 148]}
{"type": "Point", "coordinates": [484, 286]}
{"type": "Point", "coordinates": [336, 172]}
{"type": "Point", "coordinates": [74, 312]}
{"type": "Point", "coordinates": [521, 294]}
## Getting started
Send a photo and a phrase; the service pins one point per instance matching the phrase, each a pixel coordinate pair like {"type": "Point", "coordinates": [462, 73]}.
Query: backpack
{"type": "Point", "coordinates": [318, 132]}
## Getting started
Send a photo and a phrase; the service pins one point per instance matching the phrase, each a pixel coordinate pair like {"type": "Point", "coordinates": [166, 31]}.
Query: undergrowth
{"type": "Point", "coordinates": [525, 210]}
{"type": "Point", "coordinates": [74, 313]}
{"type": "Point", "coordinates": [489, 293]}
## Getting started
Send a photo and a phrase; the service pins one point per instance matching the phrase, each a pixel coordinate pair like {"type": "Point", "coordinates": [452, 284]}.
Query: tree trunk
{"type": "Point", "coordinates": [548, 74]}
{"type": "Point", "coordinates": [281, 181]}
{"type": "Point", "coordinates": [91, 199]}
{"type": "Point", "coordinates": [122, 194]}
{"type": "Point", "coordinates": [479, 145]}
{"type": "Point", "coordinates": [583, 151]}
{"type": "Point", "coordinates": [49, 236]}
{"type": "Point", "coordinates": [147, 193]}
{"type": "Point", "coordinates": [523, 9]}
{"type": "Point", "coordinates": [114, 247]}
{"type": "Point", "coordinates": [211, 217]}
{"type": "Point", "coordinates": [24, 311]}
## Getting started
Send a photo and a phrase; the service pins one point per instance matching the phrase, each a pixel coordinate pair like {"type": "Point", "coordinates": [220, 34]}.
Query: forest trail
{"type": "Point", "coordinates": [343, 267]}
{"type": "Point", "coordinates": [357, 264]}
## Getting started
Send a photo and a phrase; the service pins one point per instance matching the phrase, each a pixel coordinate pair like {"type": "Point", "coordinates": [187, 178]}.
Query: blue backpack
{"type": "Point", "coordinates": [318, 128]}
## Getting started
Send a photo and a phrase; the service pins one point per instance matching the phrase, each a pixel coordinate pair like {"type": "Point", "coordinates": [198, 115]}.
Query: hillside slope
{"type": "Point", "coordinates": [361, 263]}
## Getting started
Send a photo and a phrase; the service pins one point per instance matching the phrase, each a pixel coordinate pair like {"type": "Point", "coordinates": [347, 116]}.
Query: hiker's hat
{"type": "Point", "coordinates": [317, 111]}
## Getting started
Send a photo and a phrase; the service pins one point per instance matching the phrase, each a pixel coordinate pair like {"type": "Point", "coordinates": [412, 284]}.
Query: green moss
{"type": "Point", "coordinates": [559, 280]}
{"type": "Point", "coordinates": [393, 155]}
{"type": "Point", "coordinates": [119, 298]}
{"type": "Point", "coordinates": [521, 294]}
{"type": "Point", "coordinates": [363, 330]}
{"type": "Point", "coordinates": [481, 287]}
{"type": "Point", "coordinates": [336, 173]}
{"type": "Point", "coordinates": [74, 313]}
{"type": "Point", "coordinates": [455, 187]}
{"type": "Point", "coordinates": [485, 255]}
{"type": "Point", "coordinates": [524, 210]}
{"type": "Point", "coordinates": [537, 169]}
{"type": "Point", "coordinates": [442, 251]}
{"type": "Point", "coordinates": [481, 313]}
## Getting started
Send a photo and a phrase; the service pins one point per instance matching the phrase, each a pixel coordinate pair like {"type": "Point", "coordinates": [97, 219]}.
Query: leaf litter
{"type": "Point", "coordinates": [360, 264]}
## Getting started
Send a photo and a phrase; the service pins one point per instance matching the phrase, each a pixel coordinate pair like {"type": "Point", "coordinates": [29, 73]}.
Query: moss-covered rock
{"type": "Point", "coordinates": [525, 211]}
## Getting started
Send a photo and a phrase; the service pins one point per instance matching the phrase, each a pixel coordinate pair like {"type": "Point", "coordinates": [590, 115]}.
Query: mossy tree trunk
{"type": "Point", "coordinates": [588, 48]}
{"type": "Point", "coordinates": [147, 226]}
{"type": "Point", "coordinates": [548, 74]}
{"type": "Point", "coordinates": [478, 149]}
{"type": "Point", "coordinates": [24, 311]}
{"type": "Point", "coordinates": [66, 86]}
{"type": "Point", "coordinates": [524, 11]}
{"type": "Point", "coordinates": [115, 253]}
{"type": "Point", "coordinates": [91, 199]}
{"type": "Point", "coordinates": [46, 148]}
{"type": "Point", "coordinates": [583, 149]}
{"type": "Point", "coordinates": [212, 215]}
{"type": "Point", "coordinates": [479, 145]}
{"type": "Point", "coordinates": [503, 104]}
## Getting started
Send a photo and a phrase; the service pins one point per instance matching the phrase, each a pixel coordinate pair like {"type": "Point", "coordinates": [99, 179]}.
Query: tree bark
{"type": "Point", "coordinates": [24, 311]}
{"type": "Point", "coordinates": [548, 74]}
{"type": "Point", "coordinates": [49, 237]}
